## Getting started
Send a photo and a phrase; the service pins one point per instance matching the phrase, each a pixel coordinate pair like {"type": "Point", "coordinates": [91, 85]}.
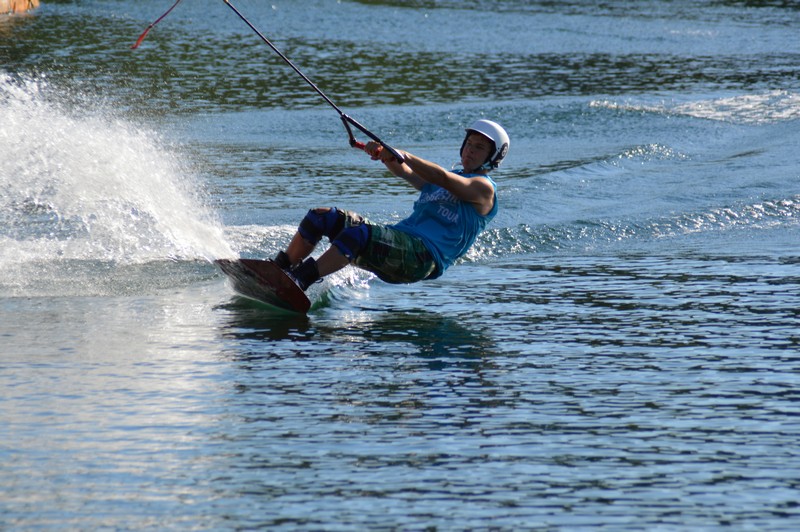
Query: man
{"type": "Point", "coordinates": [452, 209]}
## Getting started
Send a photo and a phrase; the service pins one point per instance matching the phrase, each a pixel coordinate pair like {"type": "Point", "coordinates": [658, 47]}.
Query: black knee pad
{"type": "Point", "coordinates": [321, 222]}
{"type": "Point", "coordinates": [352, 240]}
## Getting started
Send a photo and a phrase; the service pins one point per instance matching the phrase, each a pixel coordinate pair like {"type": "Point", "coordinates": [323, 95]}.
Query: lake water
{"type": "Point", "coordinates": [620, 350]}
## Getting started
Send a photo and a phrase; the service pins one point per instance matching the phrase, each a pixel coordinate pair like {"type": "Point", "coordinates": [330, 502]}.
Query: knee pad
{"type": "Point", "coordinates": [351, 240]}
{"type": "Point", "coordinates": [321, 222]}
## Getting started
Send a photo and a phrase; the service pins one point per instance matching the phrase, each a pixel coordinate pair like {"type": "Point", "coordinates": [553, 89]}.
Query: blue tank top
{"type": "Point", "coordinates": [447, 225]}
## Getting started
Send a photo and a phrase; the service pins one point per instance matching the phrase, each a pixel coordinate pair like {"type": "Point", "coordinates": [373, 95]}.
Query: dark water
{"type": "Point", "coordinates": [620, 350]}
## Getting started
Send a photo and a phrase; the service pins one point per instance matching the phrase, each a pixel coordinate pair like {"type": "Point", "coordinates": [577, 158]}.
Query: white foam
{"type": "Point", "coordinates": [758, 108]}
{"type": "Point", "coordinates": [79, 183]}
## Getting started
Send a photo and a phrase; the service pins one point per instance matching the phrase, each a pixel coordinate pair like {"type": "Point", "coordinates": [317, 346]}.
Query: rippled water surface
{"type": "Point", "coordinates": [620, 349]}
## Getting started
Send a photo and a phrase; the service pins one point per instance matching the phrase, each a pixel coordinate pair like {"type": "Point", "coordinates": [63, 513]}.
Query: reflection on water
{"type": "Point", "coordinates": [249, 320]}
{"type": "Point", "coordinates": [428, 335]}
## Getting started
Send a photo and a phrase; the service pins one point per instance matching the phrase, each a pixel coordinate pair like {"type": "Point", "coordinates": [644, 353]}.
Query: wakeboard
{"type": "Point", "coordinates": [266, 282]}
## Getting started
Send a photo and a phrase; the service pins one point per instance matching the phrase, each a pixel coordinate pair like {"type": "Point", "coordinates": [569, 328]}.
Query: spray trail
{"type": "Point", "coordinates": [80, 185]}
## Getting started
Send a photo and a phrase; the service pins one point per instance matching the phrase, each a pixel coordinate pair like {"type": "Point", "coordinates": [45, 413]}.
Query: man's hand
{"type": "Point", "coordinates": [378, 153]}
{"type": "Point", "coordinates": [374, 150]}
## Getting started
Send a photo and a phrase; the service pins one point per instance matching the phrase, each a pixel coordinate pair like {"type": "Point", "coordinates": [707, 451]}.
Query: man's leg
{"type": "Point", "coordinates": [337, 226]}
{"type": "Point", "coordinates": [316, 224]}
{"type": "Point", "coordinates": [331, 261]}
{"type": "Point", "coordinates": [299, 248]}
{"type": "Point", "coordinates": [344, 249]}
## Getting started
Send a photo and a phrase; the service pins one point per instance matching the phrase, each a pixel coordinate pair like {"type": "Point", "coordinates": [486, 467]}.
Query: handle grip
{"type": "Point", "coordinates": [363, 147]}
{"type": "Point", "coordinates": [347, 121]}
{"type": "Point", "coordinates": [399, 158]}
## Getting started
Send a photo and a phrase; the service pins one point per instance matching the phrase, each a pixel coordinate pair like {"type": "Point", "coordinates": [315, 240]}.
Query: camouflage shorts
{"type": "Point", "coordinates": [395, 256]}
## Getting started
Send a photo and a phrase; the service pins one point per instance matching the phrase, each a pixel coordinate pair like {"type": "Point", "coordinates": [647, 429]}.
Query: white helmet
{"type": "Point", "coordinates": [494, 132]}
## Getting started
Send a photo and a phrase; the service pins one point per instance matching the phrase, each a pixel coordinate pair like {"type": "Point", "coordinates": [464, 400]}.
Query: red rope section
{"type": "Point", "coordinates": [150, 27]}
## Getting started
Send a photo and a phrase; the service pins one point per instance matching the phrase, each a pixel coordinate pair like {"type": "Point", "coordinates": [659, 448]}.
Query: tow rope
{"type": "Point", "coordinates": [346, 120]}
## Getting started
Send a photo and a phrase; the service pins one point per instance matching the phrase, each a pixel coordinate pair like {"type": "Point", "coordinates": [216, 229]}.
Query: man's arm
{"type": "Point", "coordinates": [417, 171]}
{"type": "Point", "coordinates": [475, 190]}
{"type": "Point", "coordinates": [377, 152]}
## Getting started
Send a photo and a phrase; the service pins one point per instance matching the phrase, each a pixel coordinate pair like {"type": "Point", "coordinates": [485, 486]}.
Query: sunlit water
{"type": "Point", "coordinates": [620, 349]}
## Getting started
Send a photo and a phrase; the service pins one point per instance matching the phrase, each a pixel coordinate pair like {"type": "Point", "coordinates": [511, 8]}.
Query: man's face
{"type": "Point", "coordinates": [476, 150]}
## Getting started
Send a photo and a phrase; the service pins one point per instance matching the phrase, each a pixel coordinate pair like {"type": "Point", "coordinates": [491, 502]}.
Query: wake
{"type": "Point", "coordinates": [81, 184]}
